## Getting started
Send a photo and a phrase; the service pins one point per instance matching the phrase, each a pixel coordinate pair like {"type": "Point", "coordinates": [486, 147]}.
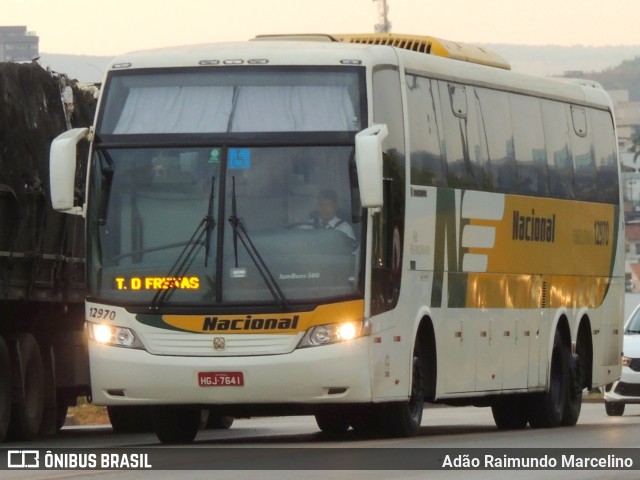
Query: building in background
{"type": "Point", "coordinates": [17, 44]}
{"type": "Point", "coordinates": [627, 114]}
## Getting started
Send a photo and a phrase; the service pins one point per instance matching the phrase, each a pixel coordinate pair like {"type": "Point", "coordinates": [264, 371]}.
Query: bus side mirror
{"type": "Point", "coordinates": [369, 165]}
{"type": "Point", "coordinates": [62, 170]}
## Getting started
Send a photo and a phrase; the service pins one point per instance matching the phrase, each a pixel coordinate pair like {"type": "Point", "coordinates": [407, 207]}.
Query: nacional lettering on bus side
{"type": "Point", "coordinates": [534, 228]}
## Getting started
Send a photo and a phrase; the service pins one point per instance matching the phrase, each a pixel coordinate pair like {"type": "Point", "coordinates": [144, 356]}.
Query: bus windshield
{"type": "Point", "coordinates": [202, 225]}
{"type": "Point", "coordinates": [208, 185]}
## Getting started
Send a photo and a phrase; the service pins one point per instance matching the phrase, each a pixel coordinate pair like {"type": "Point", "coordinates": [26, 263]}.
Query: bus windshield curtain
{"type": "Point", "coordinates": [212, 109]}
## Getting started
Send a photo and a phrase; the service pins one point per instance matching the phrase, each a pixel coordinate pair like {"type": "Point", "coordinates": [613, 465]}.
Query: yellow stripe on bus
{"type": "Point", "coordinates": [269, 323]}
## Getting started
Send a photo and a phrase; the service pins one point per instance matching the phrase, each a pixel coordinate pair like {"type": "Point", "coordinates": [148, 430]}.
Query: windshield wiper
{"type": "Point", "coordinates": [240, 232]}
{"type": "Point", "coordinates": [210, 223]}
{"type": "Point", "coordinates": [201, 236]}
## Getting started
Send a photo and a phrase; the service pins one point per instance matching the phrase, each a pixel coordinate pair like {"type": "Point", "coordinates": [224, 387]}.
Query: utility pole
{"type": "Point", "coordinates": [383, 25]}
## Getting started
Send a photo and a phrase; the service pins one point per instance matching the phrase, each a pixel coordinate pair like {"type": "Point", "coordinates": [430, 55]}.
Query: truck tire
{"type": "Point", "coordinates": [5, 389]}
{"type": "Point", "coordinates": [26, 415]}
{"type": "Point", "coordinates": [62, 407]}
{"type": "Point", "coordinates": [175, 424]}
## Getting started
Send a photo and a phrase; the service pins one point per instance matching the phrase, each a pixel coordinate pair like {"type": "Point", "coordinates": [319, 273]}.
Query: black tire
{"type": "Point", "coordinates": [175, 424]}
{"type": "Point", "coordinates": [219, 422]}
{"type": "Point", "coordinates": [5, 389]}
{"type": "Point", "coordinates": [546, 409]}
{"type": "Point", "coordinates": [510, 412]}
{"type": "Point", "coordinates": [403, 419]}
{"type": "Point", "coordinates": [26, 415]}
{"type": "Point", "coordinates": [62, 407]}
{"type": "Point", "coordinates": [333, 421]}
{"type": "Point", "coordinates": [614, 409]}
{"type": "Point", "coordinates": [130, 418]}
{"type": "Point", "coordinates": [573, 401]}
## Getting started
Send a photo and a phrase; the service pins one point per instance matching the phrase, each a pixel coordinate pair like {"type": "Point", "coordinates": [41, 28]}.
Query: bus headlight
{"type": "Point", "coordinates": [112, 335]}
{"type": "Point", "coordinates": [334, 332]}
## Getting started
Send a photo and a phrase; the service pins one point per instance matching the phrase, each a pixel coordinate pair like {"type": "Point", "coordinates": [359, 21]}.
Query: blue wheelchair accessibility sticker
{"type": "Point", "coordinates": [239, 159]}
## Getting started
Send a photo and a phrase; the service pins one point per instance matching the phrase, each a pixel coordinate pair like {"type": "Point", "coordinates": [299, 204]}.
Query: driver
{"type": "Point", "coordinates": [327, 214]}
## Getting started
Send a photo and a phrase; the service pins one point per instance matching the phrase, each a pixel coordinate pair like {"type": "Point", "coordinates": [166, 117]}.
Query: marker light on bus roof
{"type": "Point", "coordinates": [351, 62]}
{"type": "Point", "coordinates": [258, 61]}
{"type": "Point", "coordinates": [234, 61]}
{"type": "Point", "coordinates": [121, 65]}
{"type": "Point", "coordinates": [208, 62]}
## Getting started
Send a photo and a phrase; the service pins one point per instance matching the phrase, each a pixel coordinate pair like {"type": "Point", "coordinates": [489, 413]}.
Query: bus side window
{"type": "Point", "coordinates": [556, 133]}
{"type": "Point", "coordinates": [495, 124]}
{"type": "Point", "coordinates": [460, 170]}
{"type": "Point", "coordinates": [529, 145]}
{"type": "Point", "coordinates": [427, 165]}
{"type": "Point", "coordinates": [604, 147]}
{"type": "Point", "coordinates": [477, 144]}
{"type": "Point", "coordinates": [584, 163]}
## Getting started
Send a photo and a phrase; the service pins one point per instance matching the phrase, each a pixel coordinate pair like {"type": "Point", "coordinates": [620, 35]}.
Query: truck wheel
{"type": "Point", "coordinates": [26, 415]}
{"type": "Point", "coordinates": [62, 407]}
{"type": "Point", "coordinates": [176, 423]}
{"type": "Point", "coordinates": [546, 409]}
{"type": "Point", "coordinates": [5, 389]}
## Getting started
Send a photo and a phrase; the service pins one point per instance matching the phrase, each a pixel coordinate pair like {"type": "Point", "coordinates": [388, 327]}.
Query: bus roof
{"type": "Point", "coordinates": [435, 57]}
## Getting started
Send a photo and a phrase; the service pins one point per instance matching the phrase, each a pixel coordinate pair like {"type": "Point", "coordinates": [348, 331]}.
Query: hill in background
{"type": "Point", "coordinates": [625, 76]}
{"type": "Point", "coordinates": [545, 60]}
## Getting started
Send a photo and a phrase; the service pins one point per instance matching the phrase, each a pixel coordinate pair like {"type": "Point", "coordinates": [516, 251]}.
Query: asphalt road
{"type": "Point", "coordinates": [453, 430]}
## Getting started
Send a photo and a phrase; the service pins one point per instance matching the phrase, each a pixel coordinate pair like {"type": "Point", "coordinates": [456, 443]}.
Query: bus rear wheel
{"type": "Point", "coordinates": [573, 403]}
{"type": "Point", "coordinates": [546, 409]}
{"type": "Point", "coordinates": [175, 424]}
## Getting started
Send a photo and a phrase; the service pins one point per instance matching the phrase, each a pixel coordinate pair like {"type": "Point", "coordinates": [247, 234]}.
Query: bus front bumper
{"type": "Point", "coordinates": [337, 373]}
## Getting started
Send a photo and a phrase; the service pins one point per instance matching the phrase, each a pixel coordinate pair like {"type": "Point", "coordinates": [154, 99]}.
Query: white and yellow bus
{"type": "Point", "coordinates": [474, 253]}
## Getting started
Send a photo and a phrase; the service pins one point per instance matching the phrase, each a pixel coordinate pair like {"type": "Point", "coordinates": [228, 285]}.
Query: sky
{"type": "Point", "coordinates": [111, 27]}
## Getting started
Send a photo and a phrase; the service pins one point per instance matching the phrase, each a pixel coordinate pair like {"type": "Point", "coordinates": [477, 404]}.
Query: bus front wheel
{"type": "Point", "coordinates": [402, 419]}
{"type": "Point", "coordinates": [176, 424]}
{"type": "Point", "coordinates": [510, 412]}
{"type": "Point", "coordinates": [333, 421]}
